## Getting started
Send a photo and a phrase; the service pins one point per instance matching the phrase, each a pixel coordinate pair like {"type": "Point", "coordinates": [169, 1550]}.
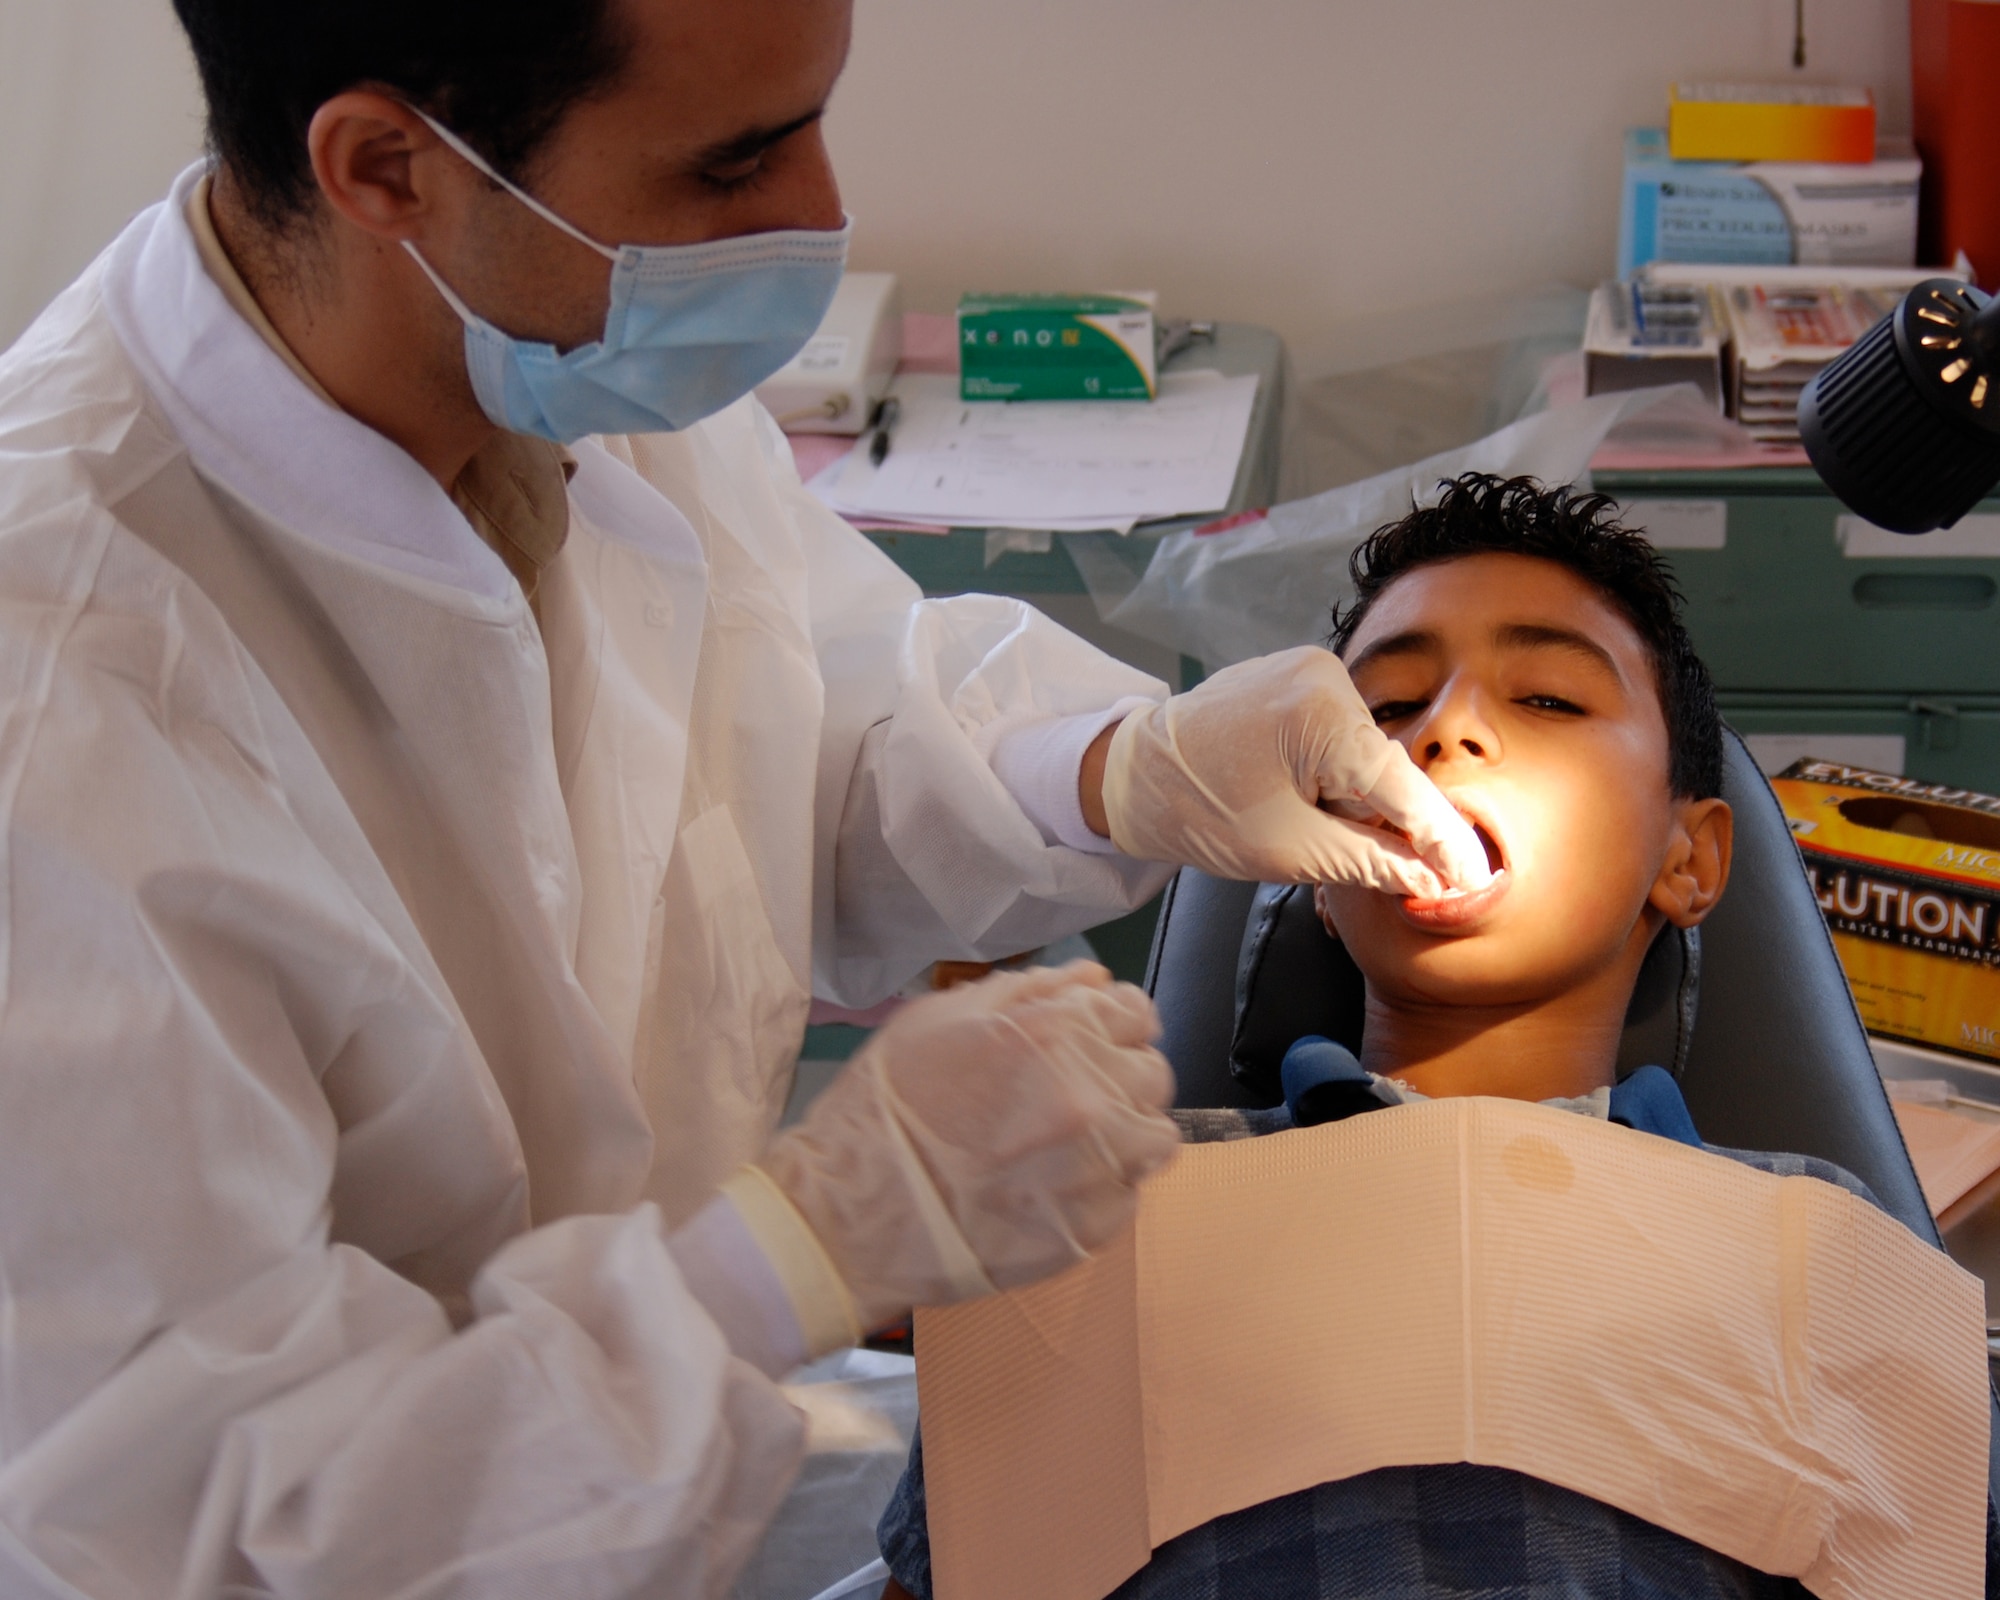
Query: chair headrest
{"type": "Point", "coordinates": [1293, 978]}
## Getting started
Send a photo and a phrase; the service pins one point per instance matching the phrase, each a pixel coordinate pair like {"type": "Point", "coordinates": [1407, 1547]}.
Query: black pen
{"type": "Point", "coordinates": [885, 418]}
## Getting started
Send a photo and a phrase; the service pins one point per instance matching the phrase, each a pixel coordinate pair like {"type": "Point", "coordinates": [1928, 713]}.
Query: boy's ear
{"type": "Point", "coordinates": [1696, 869]}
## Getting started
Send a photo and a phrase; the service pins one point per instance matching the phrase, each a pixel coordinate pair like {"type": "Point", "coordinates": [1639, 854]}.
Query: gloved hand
{"type": "Point", "coordinates": [983, 1138]}
{"type": "Point", "coordinates": [1238, 777]}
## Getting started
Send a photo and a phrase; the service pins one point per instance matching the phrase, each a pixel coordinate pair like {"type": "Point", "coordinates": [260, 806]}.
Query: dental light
{"type": "Point", "coordinates": [1905, 427]}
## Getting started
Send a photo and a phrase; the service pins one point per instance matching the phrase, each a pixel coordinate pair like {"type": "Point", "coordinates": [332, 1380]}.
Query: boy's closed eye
{"type": "Point", "coordinates": [1390, 711]}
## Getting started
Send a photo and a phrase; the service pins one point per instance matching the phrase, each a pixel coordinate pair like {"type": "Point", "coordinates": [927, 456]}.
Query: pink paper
{"type": "Point", "coordinates": [1768, 1366]}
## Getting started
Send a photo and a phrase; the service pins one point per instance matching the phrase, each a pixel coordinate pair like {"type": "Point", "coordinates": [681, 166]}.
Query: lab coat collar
{"type": "Point", "coordinates": [251, 426]}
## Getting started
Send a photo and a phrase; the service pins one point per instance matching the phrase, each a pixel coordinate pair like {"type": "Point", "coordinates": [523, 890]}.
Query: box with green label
{"type": "Point", "coordinates": [1055, 347]}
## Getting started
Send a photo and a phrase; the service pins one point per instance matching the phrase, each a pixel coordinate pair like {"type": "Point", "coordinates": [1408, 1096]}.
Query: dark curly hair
{"type": "Point", "coordinates": [1481, 513]}
{"type": "Point", "coordinates": [501, 73]}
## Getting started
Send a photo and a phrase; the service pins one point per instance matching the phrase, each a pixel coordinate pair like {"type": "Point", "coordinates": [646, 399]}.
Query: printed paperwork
{"type": "Point", "coordinates": [1070, 466]}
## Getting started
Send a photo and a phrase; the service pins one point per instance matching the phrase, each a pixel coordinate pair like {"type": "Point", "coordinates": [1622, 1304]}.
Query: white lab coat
{"type": "Point", "coordinates": [380, 969]}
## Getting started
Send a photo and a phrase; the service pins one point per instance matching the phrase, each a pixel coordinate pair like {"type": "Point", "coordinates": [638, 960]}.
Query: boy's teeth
{"type": "Point", "coordinates": [1494, 859]}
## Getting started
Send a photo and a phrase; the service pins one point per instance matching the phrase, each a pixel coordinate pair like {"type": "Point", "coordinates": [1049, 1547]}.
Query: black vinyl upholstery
{"type": "Point", "coordinates": [1779, 1060]}
{"type": "Point", "coordinates": [1191, 976]}
{"type": "Point", "coordinates": [1754, 1015]}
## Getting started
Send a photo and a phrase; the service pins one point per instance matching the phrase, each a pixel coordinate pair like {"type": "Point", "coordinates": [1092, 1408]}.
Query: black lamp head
{"type": "Point", "coordinates": [1905, 427]}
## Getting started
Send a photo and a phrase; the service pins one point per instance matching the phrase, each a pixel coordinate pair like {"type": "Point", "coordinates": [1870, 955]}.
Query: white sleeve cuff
{"type": "Point", "coordinates": [1039, 765]}
{"type": "Point", "coordinates": [762, 1274]}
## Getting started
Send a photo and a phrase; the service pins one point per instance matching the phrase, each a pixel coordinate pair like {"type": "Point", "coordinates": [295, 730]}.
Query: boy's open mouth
{"type": "Point", "coordinates": [1496, 862]}
{"type": "Point", "coordinates": [1457, 909]}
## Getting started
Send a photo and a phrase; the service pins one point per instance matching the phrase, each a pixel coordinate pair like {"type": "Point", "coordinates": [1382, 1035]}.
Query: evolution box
{"type": "Point", "coordinates": [1908, 875]}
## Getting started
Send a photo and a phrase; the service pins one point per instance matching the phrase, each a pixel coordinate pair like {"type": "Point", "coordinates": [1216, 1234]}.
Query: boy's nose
{"type": "Point", "coordinates": [1455, 729]}
{"type": "Point", "coordinates": [1471, 747]}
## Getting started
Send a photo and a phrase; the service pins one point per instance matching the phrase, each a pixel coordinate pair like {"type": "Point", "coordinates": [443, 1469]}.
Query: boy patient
{"type": "Point", "coordinates": [1529, 653]}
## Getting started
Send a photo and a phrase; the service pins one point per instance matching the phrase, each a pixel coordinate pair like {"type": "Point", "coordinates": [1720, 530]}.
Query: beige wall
{"type": "Point", "coordinates": [1298, 162]}
{"type": "Point", "coordinates": [98, 111]}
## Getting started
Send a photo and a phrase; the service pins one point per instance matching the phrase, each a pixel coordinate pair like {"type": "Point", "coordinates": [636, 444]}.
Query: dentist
{"type": "Point", "coordinates": [443, 751]}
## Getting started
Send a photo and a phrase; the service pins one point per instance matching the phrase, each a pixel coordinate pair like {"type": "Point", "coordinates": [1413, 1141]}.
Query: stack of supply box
{"type": "Point", "coordinates": [1753, 236]}
{"type": "Point", "coordinates": [1780, 336]}
{"type": "Point", "coordinates": [1749, 338]}
{"type": "Point", "coordinates": [1830, 212]}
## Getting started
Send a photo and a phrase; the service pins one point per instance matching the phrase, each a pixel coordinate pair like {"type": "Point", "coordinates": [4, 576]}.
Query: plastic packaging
{"type": "Point", "coordinates": [1376, 392]}
{"type": "Point", "coordinates": [861, 1412]}
{"type": "Point", "coordinates": [1268, 583]}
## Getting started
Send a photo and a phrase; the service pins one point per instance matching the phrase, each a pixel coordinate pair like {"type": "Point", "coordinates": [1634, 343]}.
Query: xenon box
{"type": "Point", "coordinates": [1908, 876]}
{"type": "Point", "coordinates": [1056, 347]}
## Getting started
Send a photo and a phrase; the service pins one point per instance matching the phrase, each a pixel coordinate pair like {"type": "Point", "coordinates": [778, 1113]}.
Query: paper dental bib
{"type": "Point", "coordinates": [1767, 1366]}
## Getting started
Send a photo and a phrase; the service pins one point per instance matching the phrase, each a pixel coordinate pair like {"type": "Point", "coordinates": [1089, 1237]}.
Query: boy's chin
{"type": "Point", "coordinates": [1475, 969]}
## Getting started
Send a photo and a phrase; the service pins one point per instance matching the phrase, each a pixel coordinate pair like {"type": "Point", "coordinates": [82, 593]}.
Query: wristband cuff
{"type": "Point", "coordinates": [819, 1296]}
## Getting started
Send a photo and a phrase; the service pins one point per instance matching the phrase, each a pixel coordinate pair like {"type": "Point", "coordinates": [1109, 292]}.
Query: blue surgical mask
{"type": "Point", "coordinates": [691, 329]}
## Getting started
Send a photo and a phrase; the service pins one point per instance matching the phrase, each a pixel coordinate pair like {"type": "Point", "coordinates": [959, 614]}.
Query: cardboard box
{"type": "Point", "coordinates": [834, 383]}
{"type": "Point", "coordinates": [1770, 122]}
{"type": "Point", "coordinates": [1056, 347]}
{"type": "Point", "coordinates": [1641, 334]}
{"type": "Point", "coordinates": [1780, 326]}
{"type": "Point", "coordinates": [1780, 336]}
{"type": "Point", "coordinates": [1908, 875]}
{"type": "Point", "coordinates": [1769, 213]}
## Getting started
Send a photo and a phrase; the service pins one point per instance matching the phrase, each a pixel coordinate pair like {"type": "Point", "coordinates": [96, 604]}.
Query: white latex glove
{"type": "Point", "coordinates": [1239, 776]}
{"type": "Point", "coordinates": [983, 1138]}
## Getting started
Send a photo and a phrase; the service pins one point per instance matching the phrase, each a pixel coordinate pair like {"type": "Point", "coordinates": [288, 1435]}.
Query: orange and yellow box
{"type": "Point", "coordinates": [1908, 875]}
{"type": "Point", "coordinates": [1759, 122]}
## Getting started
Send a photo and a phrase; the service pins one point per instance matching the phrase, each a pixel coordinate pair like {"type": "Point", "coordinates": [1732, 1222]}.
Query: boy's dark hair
{"type": "Point", "coordinates": [499, 73]}
{"type": "Point", "coordinates": [1480, 513]}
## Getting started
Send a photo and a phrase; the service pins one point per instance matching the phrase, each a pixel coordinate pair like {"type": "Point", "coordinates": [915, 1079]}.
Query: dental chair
{"type": "Point", "coordinates": [1751, 1012]}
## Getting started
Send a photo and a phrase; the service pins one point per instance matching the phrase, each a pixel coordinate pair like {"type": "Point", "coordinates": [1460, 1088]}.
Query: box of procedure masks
{"type": "Point", "coordinates": [1766, 213]}
{"type": "Point", "coordinates": [1908, 876]}
{"type": "Point", "coordinates": [1056, 347]}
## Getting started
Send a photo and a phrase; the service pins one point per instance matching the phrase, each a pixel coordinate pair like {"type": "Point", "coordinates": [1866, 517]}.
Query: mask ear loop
{"type": "Point", "coordinates": [479, 164]}
{"type": "Point", "coordinates": [466, 314]}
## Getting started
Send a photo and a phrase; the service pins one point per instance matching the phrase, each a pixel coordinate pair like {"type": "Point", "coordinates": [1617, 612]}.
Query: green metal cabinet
{"type": "Point", "coordinates": [1805, 639]}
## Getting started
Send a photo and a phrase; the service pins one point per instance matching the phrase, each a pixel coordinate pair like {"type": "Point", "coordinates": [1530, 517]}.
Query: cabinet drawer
{"type": "Point", "coordinates": [1782, 607]}
{"type": "Point", "coordinates": [1946, 740]}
